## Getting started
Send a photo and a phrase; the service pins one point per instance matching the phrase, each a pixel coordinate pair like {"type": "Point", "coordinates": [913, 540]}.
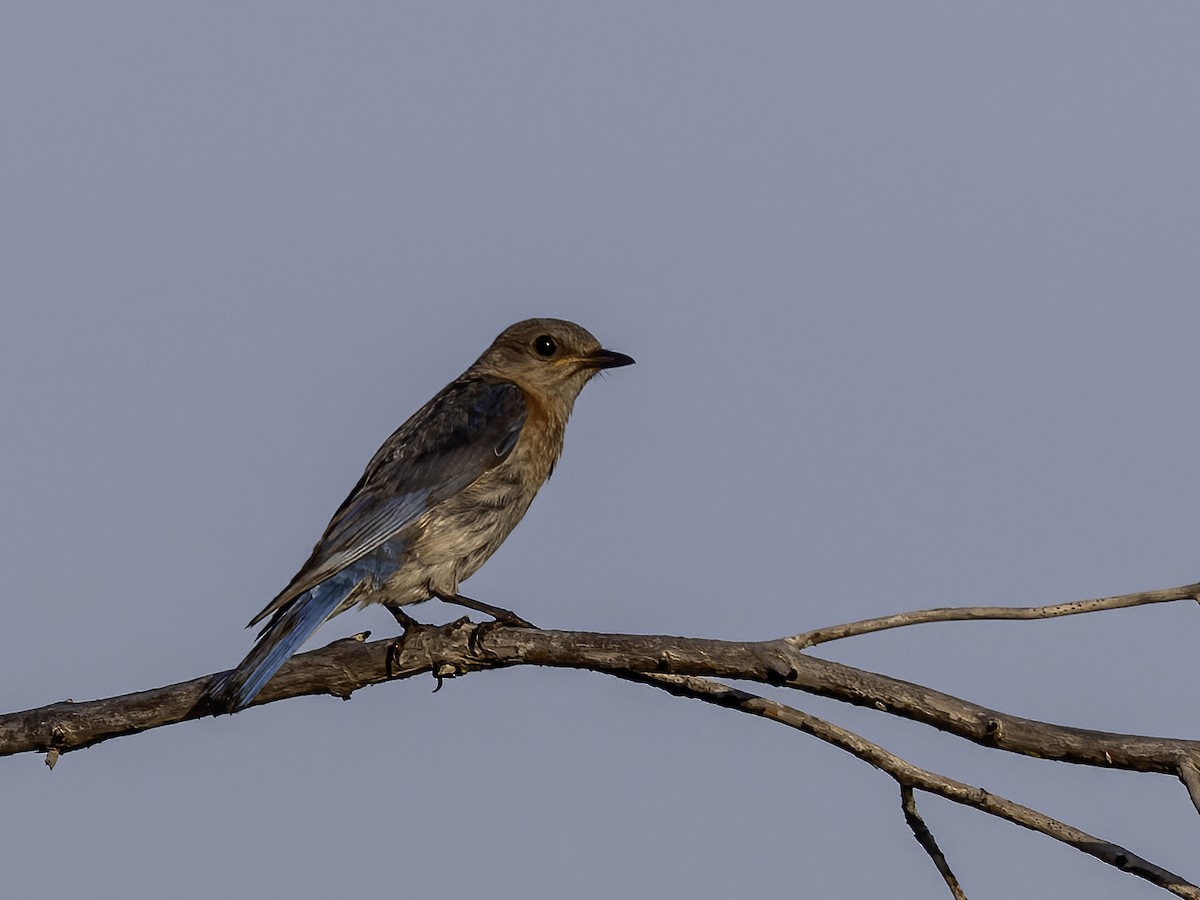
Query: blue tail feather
{"type": "Point", "coordinates": [290, 628]}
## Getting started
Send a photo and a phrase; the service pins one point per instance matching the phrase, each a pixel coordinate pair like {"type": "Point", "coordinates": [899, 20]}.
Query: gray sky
{"type": "Point", "coordinates": [913, 294]}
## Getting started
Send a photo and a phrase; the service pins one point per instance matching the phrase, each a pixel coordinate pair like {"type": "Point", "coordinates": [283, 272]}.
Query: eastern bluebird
{"type": "Point", "coordinates": [440, 495]}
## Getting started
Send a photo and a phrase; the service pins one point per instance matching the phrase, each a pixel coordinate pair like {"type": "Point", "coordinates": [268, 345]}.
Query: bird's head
{"type": "Point", "coordinates": [550, 358]}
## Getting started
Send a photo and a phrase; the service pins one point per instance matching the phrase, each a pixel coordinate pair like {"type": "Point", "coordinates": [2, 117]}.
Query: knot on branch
{"type": "Point", "coordinates": [993, 730]}
{"type": "Point", "coordinates": [780, 669]}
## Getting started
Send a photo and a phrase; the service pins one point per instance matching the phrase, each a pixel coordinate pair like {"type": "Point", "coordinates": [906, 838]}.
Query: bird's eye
{"type": "Point", "coordinates": [545, 345]}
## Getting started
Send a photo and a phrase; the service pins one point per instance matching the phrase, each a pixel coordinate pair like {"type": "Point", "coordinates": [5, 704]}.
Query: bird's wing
{"type": "Point", "coordinates": [467, 429]}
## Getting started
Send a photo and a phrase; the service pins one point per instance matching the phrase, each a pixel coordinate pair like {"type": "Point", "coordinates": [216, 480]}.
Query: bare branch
{"type": "Point", "coordinates": [925, 838]}
{"type": "Point", "coordinates": [912, 777]}
{"type": "Point", "coordinates": [345, 666]}
{"type": "Point", "coordinates": [975, 613]}
{"type": "Point", "coordinates": [672, 664]}
{"type": "Point", "coordinates": [779, 663]}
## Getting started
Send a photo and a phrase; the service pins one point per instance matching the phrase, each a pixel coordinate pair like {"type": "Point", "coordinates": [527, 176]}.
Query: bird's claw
{"type": "Point", "coordinates": [483, 629]}
{"type": "Point", "coordinates": [393, 655]}
{"type": "Point", "coordinates": [512, 620]}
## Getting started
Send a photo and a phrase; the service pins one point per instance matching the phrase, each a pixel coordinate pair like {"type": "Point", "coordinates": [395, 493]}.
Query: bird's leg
{"type": "Point", "coordinates": [404, 619]}
{"type": "Point", "coordinates": [501, 615]}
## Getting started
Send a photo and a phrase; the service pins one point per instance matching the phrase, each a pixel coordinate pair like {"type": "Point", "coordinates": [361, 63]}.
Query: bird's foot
{"type": "Point", "coordinates": [482, 630]}
{"type": "Point", "coordinates": [510, 619]}
{"type": "Point", "coordinates": [410, 625]}
{"type": "Point", "coordinates": [500, 614]}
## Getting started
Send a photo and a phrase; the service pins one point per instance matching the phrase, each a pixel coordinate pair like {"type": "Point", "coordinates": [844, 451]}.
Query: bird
{"type": "Point", "coordinates": [438, 497]}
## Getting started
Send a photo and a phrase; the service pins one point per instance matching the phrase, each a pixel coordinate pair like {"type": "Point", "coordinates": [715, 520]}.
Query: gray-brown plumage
{"type": "Point", "coordinates": [440, 495]}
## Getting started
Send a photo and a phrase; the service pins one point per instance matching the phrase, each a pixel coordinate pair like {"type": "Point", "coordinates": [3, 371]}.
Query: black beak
{"type": "Point", "coordinates": [608, 359]}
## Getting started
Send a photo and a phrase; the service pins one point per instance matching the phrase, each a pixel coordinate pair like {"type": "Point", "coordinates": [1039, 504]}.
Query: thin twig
{"type": "Point", "coordinates": [975, 613]}
{"type": "Point", "coordinates": [1189, 774]}
{"type": "Point", "coordinates": [921, 779]}
{"type": "Point", "coordinates": [925, 838]}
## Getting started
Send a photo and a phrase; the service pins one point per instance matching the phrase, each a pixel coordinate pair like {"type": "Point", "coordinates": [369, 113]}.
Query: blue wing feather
{"type": "Point", "coordinates": [467, 429]}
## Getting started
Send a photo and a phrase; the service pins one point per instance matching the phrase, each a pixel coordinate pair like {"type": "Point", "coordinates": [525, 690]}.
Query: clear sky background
{"type": "Point", "coordinates": [913, 290]}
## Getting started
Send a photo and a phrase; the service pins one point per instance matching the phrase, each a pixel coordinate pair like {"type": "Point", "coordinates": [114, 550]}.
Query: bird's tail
{"type": "Point", "coordinates": [282, 637]}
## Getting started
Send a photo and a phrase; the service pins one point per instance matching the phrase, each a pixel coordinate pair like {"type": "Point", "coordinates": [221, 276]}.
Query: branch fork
{"type": "Point", "coordinates": [684, 667]}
